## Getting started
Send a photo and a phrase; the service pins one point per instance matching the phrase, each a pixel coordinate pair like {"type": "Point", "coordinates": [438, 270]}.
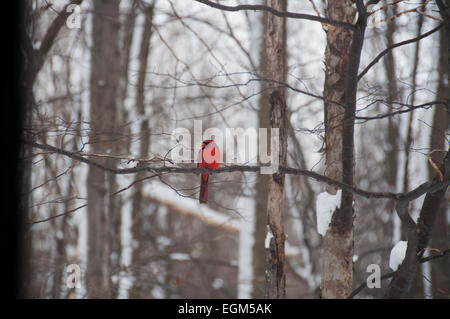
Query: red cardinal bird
{"type": "Point", "coordinates": [209, 157]}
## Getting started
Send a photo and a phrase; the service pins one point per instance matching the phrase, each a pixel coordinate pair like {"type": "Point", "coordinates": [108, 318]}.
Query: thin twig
{"type": "Point", "coordinates": [390, 48]}
{"type": "Point", "coordinates": [286, 14]}
{"type": "Point", "coordinates": [59, 215]}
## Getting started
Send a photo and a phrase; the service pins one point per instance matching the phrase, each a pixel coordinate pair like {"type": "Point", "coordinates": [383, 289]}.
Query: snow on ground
{"type": "Point", "coordinates": [190, 206]}
{"type": "Point", "coordinates": [325, 205]}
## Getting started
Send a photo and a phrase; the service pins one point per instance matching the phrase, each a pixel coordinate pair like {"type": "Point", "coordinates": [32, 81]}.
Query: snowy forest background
{"type": "Point", "coordinates": [114, 89]}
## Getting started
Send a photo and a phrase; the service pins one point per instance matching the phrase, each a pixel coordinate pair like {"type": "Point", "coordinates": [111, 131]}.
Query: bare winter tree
{"type": "Point", "coordinates": [419, 233]}
{"type": "Point", "coordinates": [337, 270]}
{"type": "Point", "coordinates": [262, 189]}
{"type": "Point", "coordinates": [138, 229]}
{"type": "Point", "coordinates": [276, 56]}
{"type": "Point", "coordinates": [440, 269]}
{"type": "Point", "coordinates": [104, 214]}
{"type": "Point", "coordinates": [103, 189]}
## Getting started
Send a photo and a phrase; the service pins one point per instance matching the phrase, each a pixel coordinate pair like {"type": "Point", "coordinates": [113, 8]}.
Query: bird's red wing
{"type": "Point", "coordinates": [199, 159]}
{"type": "Point", "coordinates": [216, 155]}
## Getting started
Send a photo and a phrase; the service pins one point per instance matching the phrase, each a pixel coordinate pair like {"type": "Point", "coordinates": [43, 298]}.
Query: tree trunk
{"type": "Point", "coordinates": [262, 180]}
{"type": "Point", "coordinates": [440, 268]}
{"type": "Point", "coordinates": [419, 236]}
{"type": "Point", "coordinates": [392, 138]}
{"type": "Point", "coordinates": [417, 290]}
{"type": "Point", "coordinates": [125, 49]}
{"type": "Point", "coordinates": [137, 207]}
{"type": "Point", "coordinates": [34, 60]}
{"type": "Point", "coordinates": [337, 276]}
{"type": "Point", "coordinates": [104, 84]}
{"type": "Point", "coordinates": [275, 38]}
{"type": "Point", "coordinates": [392, 95]}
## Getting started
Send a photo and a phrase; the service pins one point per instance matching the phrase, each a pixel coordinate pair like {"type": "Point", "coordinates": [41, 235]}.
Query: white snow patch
{"type": "Point", "coordinates": [268, 237]}
{"type": "Point", "coordinates": [36, 45]}
{"type": "Point", "coordinates": [218, 283]}
{"type": "Point", "coordinates": [325, 206]}
{"type": "Point", "coordinates": [397, 254]}
{"type": "Point", "coordinates": [158, 292]}
{"type": "Point", "coordinates": [126, 241]}
{"type": "Point", "coordinates": [180, 256]}
{"type": "Point", "coordinates": [164, 241]}
{"type": "Point", "coordinates": [426, 270]}
{"type": "Point", "coordinates": [246, 241]}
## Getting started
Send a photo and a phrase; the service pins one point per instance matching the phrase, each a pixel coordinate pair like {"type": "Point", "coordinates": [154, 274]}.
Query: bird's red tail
{"type": "Point", "coordinates": [204, 188]}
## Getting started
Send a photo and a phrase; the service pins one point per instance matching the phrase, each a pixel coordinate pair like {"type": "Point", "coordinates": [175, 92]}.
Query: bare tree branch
{"type": "Point", "coordinates": [59, 215]}
{"type": "Point", "coordinates": [410, 108]}
{"type": "Point", "coordinates": [391, 274]}
{"type": "Point", "coordinates": [418, 236]}
{"type": "Point", "coordinates": [409, 196]}
{"type": "Point", "coordinates": [390, 48]}
{"type": "Point", "coordinates": [50, 35]}
{"type": "Point", "coordinates": [287, 14]}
